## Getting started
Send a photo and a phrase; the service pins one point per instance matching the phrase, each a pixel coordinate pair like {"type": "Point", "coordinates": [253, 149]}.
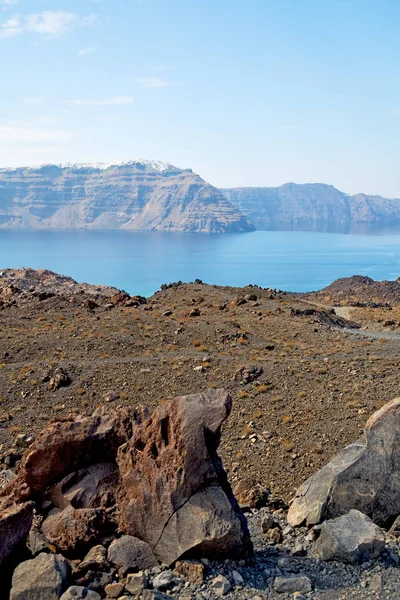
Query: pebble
{"type": "Point", "coordinates": [221, 585]}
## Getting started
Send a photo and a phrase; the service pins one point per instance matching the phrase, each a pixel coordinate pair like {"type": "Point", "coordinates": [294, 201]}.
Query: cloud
{"type": "Point", "coordinates": [49, 23]}
{"type": "Point", "coordinates": [153, 82]}
{"type": "Point", "coordinates": [24, 134]}
{"type": "Point", "coordinates": [11, 28]}
{"type": "Point", "coordinates": [7, 3]}
{"type": "Point", "coordinates": [32, 100]}
{"type": "Point", "coordinates": [87, 50]}
{"type": "Point", "coordinates": [111, 101]}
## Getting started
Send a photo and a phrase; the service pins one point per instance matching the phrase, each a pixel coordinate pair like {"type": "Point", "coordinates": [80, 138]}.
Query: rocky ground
{"type": "Point", "coordinates": [303, 384]}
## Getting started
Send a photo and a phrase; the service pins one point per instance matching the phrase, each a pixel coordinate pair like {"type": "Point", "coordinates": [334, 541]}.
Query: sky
{"type": "Point", "coordinates": [245, 93]}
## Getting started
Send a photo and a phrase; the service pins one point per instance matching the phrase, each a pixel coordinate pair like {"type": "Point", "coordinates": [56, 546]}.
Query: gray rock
{"type": "Point", "coordinates": [154, 595]}
{"type": "Point", "coordinates": [221, 585]}
{"type": "Point", "coordinates": [163, 581]}
{"type": "Point", "coordinates": [135, 583]}
{"type": "Point", "coordinates": [364, 476]}
{"type": "Point", "coordinates": [350, 538]}
{"type": "Point", "coordinates": [77, 592]}
{"type": "Point", "coordinates": [289, 585]}
{"type": "Point", "coordinates": [130, 554]}
{"type": "Point", "coordinates": [42, 578]}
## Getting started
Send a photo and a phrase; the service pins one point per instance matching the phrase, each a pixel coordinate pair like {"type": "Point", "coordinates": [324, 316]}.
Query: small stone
{"type": "Point", "coordinates": [375, 584]}
{"type": "Point", "coordinates": [154, 595]}
{"type": "Point", "coordinates": [267, 523]}
{"type": "Point", "coordinates": [77, 592]}
{"type": "Point", "coordinates": [274, 535]}
{"type": "Point", "coordinates": [135, 583]}
{"type": "Point", "coordinates": [289, 585]}
{"type": "Point", "coordinates": [163, 581]}
{"type": "Point", "coordinates": [221, 585]}
{"type": "Point", "coordinates": [167, 313]}
{"type": "Point", "coordinates": [237, 578]}
{"type": "Point", "coordinates": [111, 397]}
{"type": "Point", "coordinates": [114, 590]}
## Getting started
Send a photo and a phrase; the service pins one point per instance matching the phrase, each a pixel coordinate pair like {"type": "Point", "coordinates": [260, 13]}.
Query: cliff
{"type": "Point", "coordinates": [138, 195]}
{"type": "Point", "coordinates": [314, 206]}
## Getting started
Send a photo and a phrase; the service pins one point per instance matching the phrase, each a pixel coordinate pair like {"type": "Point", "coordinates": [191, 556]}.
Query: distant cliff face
{"type": "Point", "coordinates": [140, 195]}
{"type": "Point", "coordinates": [316, 207]}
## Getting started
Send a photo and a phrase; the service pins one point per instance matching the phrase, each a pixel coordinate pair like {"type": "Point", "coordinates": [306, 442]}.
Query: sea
{"type": "Point", "coordinates": [140, 262]}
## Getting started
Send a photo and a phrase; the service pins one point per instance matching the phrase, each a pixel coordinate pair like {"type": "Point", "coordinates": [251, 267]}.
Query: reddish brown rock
{"type": "Point", "coordinates": [65, 445]}
{"type": "Point", "coordinates": [174, 494]}
{"type": "Point", "coordinates": [15, 523]}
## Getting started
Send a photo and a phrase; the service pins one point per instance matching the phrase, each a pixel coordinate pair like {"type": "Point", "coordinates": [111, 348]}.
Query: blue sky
{"type": "Point", "coordinates": [245, 93]}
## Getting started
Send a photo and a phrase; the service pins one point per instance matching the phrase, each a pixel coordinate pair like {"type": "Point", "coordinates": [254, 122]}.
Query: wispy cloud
{"type": "Point", "coordinates": [32, 100]}
{"type": "Point", "coordinates": [87, 50]}
{"type": "Point", "coordinates": [48, 23]}
{"type": "Point", "coordinates": [111, 101]}
{"type": "Point", "coordinates": [8, 3]}
{"type": "Point", "coordinates": [25, 134]}
{"type": "Point", "coordinates": [154, 82]}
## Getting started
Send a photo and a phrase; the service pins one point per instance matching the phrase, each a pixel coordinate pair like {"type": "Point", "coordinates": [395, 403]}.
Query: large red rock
{"type": "Point", "coordinates": [174, 493]}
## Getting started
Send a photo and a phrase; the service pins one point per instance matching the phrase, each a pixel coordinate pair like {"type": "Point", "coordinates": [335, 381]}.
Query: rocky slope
{"type": "Point", "coordinates": [313, 206]}
{"type": "Point", "coordinates": [138, 195]}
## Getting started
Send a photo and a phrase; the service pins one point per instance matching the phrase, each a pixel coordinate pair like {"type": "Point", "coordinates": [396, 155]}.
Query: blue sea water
{"type": "Point", "coordinates": [139, 262]}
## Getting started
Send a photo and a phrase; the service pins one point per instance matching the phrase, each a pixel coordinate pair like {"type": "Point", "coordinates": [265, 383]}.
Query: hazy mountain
{"type": "Point", "coordinates": [312, 206]}
{"type": "Point", "coordinates": [138, 194]}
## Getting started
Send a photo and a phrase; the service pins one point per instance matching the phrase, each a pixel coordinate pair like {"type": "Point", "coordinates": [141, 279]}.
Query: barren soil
{"type": "Point", "coordinates": [317, 388]}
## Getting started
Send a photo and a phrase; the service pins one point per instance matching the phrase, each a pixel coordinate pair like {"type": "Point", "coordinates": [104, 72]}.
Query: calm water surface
{"type": "Point", "coordinates": [140, 262]}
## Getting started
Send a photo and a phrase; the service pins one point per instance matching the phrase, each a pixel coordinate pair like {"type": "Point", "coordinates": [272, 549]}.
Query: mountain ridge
{"type": "Point", "coordinates": [315, 206]}
{"type": "Point", "coordinates": [136, 194]}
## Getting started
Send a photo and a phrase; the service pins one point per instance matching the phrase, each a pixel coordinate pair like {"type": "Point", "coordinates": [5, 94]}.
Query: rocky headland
{"type": "Point", "coordinates": [313, 207]}
{"type": "Point", "coordinates": [204, 442]}
{"type": "Point", "coordinates": [134, 195]}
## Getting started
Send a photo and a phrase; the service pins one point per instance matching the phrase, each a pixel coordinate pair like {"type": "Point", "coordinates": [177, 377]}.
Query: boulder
{"type": "Point", "coordinates": [45, 576]}
{"type": "Point", "coordinates": [174, 493]}
{"type": "Point", "coordinates": [68, 443]}
{"type": "Point", "coordinates": [15, 523]}
{"type": "Point", "coordinates": [364, 476]}
{"type": "Point", "coordinates": [130, 554]}
{"type": "Point", "coordinates": [350, 538]}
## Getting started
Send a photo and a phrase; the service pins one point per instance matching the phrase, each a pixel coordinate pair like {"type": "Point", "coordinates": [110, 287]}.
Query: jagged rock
{"type": "Point", "coordinates": [43, 577]}
{"type": "Point", "coordinates": [221, 585]}
{"type": "Point", "coordinates": [174, 493]}
{"type": "Point", "coordinates": [350, 538]}
{"type": "Point", "coordinates": [248, 374]}
{"type": "Point", "coordinates": [95, 559]}
{"type": "Point", "coordinates": [130, 554]}
{"type": "Point", "coordinates": [163, 580]}
{"type": "Point", "coordinates": [85, 495]}
{"type": "Point", "coordinates": [250, 494]}
{"type": "Point", "coordinates": [135, 583]}
{"type": "Point", "coordinates": [64, 445]}
{"type": "Point", "coordinates": [59, 379]}
{"type": "Point", "coordinates": [77, 592]}
{"type": "Point", "coordinates": [288, 585]}
{"type": "Point", "coordinates": [15, 523]}
{"type": "Point", "coordinates": [364, 476]}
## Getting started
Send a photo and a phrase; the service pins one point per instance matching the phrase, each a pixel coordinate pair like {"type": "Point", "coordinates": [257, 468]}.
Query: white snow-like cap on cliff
{"type": "Point", "coordinates": [157, 165]}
